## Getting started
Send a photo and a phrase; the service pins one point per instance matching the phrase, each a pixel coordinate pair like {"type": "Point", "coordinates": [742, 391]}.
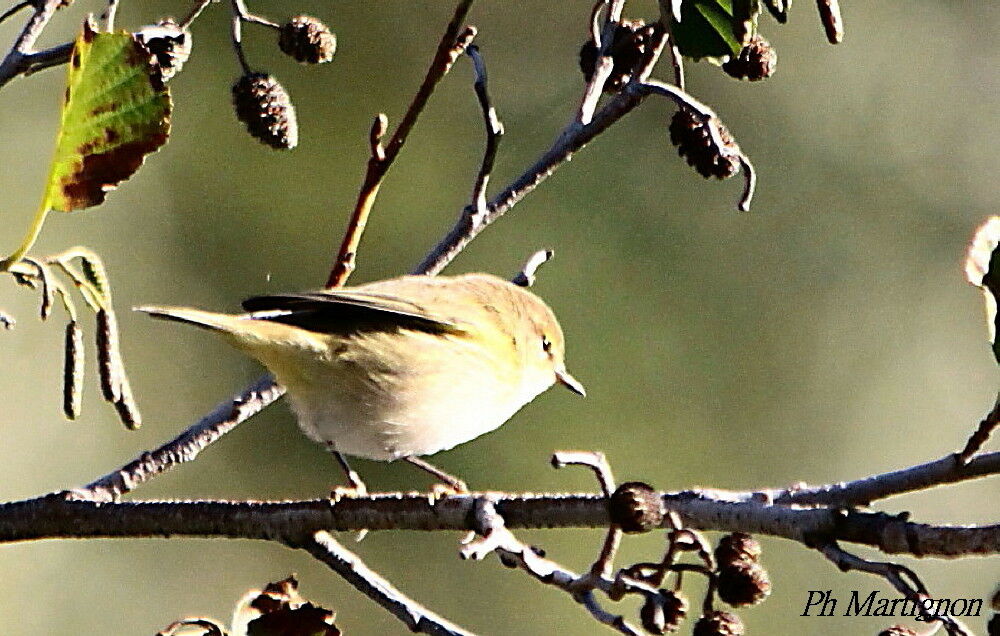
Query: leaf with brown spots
{"type": "Point", "coordinates": [116, 111]}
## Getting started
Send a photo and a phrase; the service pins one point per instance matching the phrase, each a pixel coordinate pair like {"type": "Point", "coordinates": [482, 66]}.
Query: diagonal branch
{"type": "Point", "coordinates": [903, 579]}
{"type": "Point", "coordinates": [349, 567]}
{"type": "Point", "coordinates": [453, 43]}
{"type": "Point", "coordinates": [947, 470]}
{"type": "Point", "coordinates": [183, 448]}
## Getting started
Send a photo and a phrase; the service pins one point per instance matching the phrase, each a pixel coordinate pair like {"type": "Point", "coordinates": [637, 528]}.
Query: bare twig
{"type": "Point", "coordinates": [495, 537]}
{"type": "Point", "coordinates": [947, 470]}
{"type": "Point", "coordinates": [18, 59]}
{"type": "Point", "coordinates": [194, 13]}
{"type": "Point", "coordinates": [902, 578]}
{"type": "Point", "coordinates": [350, 568]}
{"type": "Point", "coordinates": [604, 64]}
{"type": "Point", "coordinates": [494, 132]}
{"type": "Point", "coordinates": [982, 434]}
{"type": "Point", "coordinates": [684, 100]}
{"type": "Point", "coordinates": [86, 512]}
{"type": "Point", "coordinates": [833, 24]}
{"type": "Point", "coordinates": [676, 60]}
{"type": "Point", "coordinates": [108, 17]}
{"type": "Point", "coordinates": [526, 277]}
{"type": "Point", "coordinates": [11, 11]}
{"type": "Point", "coordinates": [453, 43]}
{"type": "Point", "coordinates": [595, 461]}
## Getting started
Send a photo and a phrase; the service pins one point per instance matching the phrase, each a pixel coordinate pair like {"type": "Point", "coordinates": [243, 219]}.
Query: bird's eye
{"type": "Point", "coordinates": [546, 344]}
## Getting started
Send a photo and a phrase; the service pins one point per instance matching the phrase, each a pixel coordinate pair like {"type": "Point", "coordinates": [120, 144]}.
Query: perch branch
{"type": "Point", "coordinates": [61, 516]}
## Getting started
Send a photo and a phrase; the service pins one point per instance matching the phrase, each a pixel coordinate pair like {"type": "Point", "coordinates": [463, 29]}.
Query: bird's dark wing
{"type": "Point", "coordinates": [344, 311]}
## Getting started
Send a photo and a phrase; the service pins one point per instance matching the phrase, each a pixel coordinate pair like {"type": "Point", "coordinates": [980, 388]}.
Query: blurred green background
{"type": "Point", "coordinates": [827, 335]}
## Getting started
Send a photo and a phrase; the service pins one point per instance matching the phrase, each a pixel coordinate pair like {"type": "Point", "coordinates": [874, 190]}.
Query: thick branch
{"type": "Point", "coordinates": [293, 522]}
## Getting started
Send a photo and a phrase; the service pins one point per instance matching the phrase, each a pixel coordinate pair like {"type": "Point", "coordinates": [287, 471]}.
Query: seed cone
{"type": "Point", "coordinates": [756, 61]}
{"type": "Point", "coordinates": [694, 141]}
{"type": "Point", "coordinates": [719, 624]}
{"type": "Point", "coordinates": [265, 107]}
{"type": "Point", "coordinates": [307, 40]}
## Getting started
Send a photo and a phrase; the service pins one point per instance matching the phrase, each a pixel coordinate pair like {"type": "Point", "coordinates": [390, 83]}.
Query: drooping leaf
{"type": "Point", "coordinates": [116, 111]}
{"type": "Point", "coordinates": [707, 30]}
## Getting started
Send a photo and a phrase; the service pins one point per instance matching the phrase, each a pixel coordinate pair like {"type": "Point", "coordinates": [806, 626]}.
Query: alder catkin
{"type": "Point", "coordinates": [73, 371]}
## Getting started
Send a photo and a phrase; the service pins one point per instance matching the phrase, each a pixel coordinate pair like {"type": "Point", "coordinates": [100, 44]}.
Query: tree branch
{"type": "Point", "coordinates": [453, 43]}
{"type": "Point", "coordinates": [22, 58]}
{"type": "Point", "coordinates": [349, 567]}
{"type": "Point", "coordinates": [55, 516]}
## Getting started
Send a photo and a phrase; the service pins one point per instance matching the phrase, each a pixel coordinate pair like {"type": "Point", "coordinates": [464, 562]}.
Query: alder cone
{"type": "Point", "coordinates": [693, 138]}
{"type": "Point", "coordinates": [636, 507]}
{"type": "Point", "coordinates": [630, 45]}
{"type": "Point", "coordinates": [266, 108]}
{"type": "Point", "coordinates": [735, 547]}
{"type": "Point", "coordinates": [308, 40]}
{"type": "Point", "coordinates": [743, 583]}
{"type": "Point", "coordinates": [755, 61]}
{"type": "Point", "coordinates": [719, 624]}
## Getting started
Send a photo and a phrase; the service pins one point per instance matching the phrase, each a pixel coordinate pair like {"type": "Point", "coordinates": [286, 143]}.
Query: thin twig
{"type": "Point", "coordinates": [861, 492]}
{"type": "Point", "coordinates": [495, 537]}
{"type": "Point", "coordinates": [453, 43]}
{"type": "Point", "coordinates": [595, 461]}
{"type": "Point", "coordinates": [903, 579]}
{"type": "Point", "coordinates": [11, 11]}
{"type": "Point", "coordinates": [676, 60]}
{"type": "Point", "coordinates": [194, 13]}
{"type": "Point", "coordinates": [352, 569]}
{"type": "Point", "coordinates": [683, 100]}
{"type": "Point", "coordinates": [16, 61]}
{"type": "Point", "coordinates": [982, 434]}
{"type": "Point", "coordinates": [494, 131]}
{"type": "Point", "coordinates": [108, 17]}
{"type": "Point", "coordinates": [526, 277]}
{"type": "Point", "coordinates": [604, 64]}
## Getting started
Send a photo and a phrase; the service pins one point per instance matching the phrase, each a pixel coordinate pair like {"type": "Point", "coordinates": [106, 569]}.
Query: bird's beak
{"type": "Point", "coordinates": [564, 378]}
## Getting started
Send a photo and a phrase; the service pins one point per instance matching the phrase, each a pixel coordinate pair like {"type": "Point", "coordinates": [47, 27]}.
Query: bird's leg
{"type": "Point", "coordinates": [357, 488]}
{"type": "Point", "coordinates": [452, 485]}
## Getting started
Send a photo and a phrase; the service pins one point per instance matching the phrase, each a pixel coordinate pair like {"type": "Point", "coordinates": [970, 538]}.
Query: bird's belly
{"type": "Point", "coordinates": [393, 417]}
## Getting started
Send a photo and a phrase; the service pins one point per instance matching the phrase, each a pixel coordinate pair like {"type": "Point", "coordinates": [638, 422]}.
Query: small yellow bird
{"type": "Point", "coordinates": [400, 368]}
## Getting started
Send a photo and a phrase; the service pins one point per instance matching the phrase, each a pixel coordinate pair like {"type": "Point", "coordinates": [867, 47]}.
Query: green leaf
{"type": "Point", "coordinates": [706, 29]}
{"type": "Point", "coordinates": [116, 111]}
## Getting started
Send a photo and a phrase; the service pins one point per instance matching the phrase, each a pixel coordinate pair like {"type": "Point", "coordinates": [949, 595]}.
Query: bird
{"type": "Point", "coordinates": [399, 368]}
